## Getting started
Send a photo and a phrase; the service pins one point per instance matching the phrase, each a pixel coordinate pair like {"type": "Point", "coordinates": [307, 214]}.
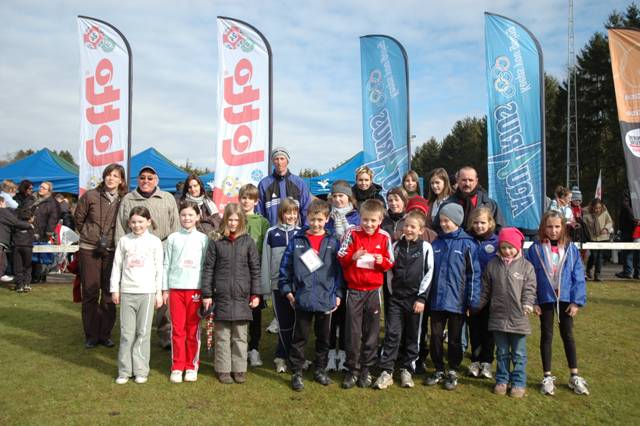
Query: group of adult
{"type": "Point", "coordinates": [46, 212]}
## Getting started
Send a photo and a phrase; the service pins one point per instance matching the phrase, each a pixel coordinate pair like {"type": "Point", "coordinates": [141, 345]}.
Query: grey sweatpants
{"type": "Point", "coordinates": [231, 346]}
{"type": "Point", "coordinates": [136, 319]}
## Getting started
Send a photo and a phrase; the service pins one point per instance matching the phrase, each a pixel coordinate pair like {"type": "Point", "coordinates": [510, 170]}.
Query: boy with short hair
{"type": "Point", "coordinates": [366, 254]}
{"type": "Point", "coordinates": [455, 290]}
{"type": "Point", "coordinates": [408, 283]}
{"type": "Point", "coordinates": [311, 279]}
{"type": "Point", "coordinates": [257, 227]}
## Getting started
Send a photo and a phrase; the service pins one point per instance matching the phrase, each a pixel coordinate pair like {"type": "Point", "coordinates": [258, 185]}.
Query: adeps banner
{"type": "Point", "coordinates": [624, 45]}
{"type": "Point", "coordinates": [515, 121]}
{"type": "Point", "coordinates": [244, 109]}
{"type": "Point", "coordinates": [105, 100]}
{"type": "Point", "coordinates": [385, 109]}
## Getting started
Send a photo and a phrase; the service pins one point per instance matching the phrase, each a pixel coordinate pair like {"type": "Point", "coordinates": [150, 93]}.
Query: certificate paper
{"type": "Point", "coordinates": [311, 260]}
{"type": "Point", "coordinates": [367, 261]}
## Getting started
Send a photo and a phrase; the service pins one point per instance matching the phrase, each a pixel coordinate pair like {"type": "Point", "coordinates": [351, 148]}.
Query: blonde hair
{"type": "Point", "coordinates": [476, 213]}
{"type": "Point", "coordinates": [364, 169]}
{"type": "Point", "coordinates": [372, 206]}
{"type": "Point", "coordinates": [414, 175]}
{"type": "Point", "coordinates": [230, 209]}
{"type": "Point", "coordinates": [418, 215]}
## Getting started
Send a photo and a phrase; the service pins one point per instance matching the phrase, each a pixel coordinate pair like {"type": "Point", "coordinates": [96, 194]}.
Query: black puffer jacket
{"type": "Point", "coordinates": [47, 213]}
{"type": "Point", "coordinates": [10, 223]}
{"type": "Point", "coordinates": [231, 274]}
{"type": "Point", "coordinates": [372, 193]}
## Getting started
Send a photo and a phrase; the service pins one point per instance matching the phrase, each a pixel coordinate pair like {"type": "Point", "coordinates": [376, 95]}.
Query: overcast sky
{"type": "Point", "coordinates": [316, 64]}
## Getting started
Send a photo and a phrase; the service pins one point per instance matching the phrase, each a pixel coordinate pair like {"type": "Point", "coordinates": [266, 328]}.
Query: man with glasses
{"type": "Point", "coordinates": [165, 216]}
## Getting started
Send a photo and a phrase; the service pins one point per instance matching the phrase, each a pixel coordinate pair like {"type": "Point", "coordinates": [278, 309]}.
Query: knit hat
{"type": "Point", "coordinates": [418, 203]}
{"type": "Point", "coordinates": [454, 212]}
{"type": "Point", "coordinates": [576, 195]}
{"type": "Point", "coordinates": [512, 236]}
{"type": "Point", "coordinates": [341, 188]}
{"type": "Point", "coordinates": [280, 151]}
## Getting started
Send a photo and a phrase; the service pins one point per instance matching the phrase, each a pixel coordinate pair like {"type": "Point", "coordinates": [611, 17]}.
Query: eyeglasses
{"type": "Point", "coordinates": [148, 178]}
{"type": "Point", "coordinates": [46, 188]}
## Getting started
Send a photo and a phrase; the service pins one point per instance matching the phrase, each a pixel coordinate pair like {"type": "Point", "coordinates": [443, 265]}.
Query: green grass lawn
{"type": "Point", "coordinates": [48, 377]}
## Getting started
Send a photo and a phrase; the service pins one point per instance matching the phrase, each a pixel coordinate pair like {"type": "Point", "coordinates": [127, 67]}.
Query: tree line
{"type": "Point", "coordinates": [600, 145]}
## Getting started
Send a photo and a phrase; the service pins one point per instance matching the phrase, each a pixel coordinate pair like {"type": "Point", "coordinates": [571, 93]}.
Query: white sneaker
{"type": "Point", "coordinates": [176, 376]}
{"type": "Point", "coordinates": [485, 370]}
{"type": "Point", "coordinates": [331, 363]}
{"type": "Point", "coordinates": [281, 365]}
{"type": "Point", "coordinates": [254, 358]}
{"type": "Point", "coordinates": [578, 385]}
{"type": "Point", "coordinates": [141, 379]}
{"type": "Point", "coordinates": [274, 327]}
{"type": "Point", "coordinates": [6, 278]}
{"type": "Point", "coordinates": [384, 381]}
{"type": "Point", "coordinates": [342, 358]}
{"type": "Point", "coordinates": [191, 375]}
{"type": "Point", "coordinates": [474, 369]}
{"type": "Point", "coordinates": [406, 381]}
{"type": "Point", "coordinates": [548, 386]}
{"type": "Point", "coordinates": [121, 380]}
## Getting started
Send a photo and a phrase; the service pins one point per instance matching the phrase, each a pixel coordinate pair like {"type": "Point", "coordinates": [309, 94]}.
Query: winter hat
{"type": "Point", "coordinates": [512, 236]}
{"type": "Point", "coordinates": [280, 151]}
{"type": "Point", "coordinates": [576, 195]}
{"type": "Point", "coordinates": [454, 212]}
{"type": "Point", "coordinates": [418, 203]}
{"type": "Point", "coordinates": [342, 188]}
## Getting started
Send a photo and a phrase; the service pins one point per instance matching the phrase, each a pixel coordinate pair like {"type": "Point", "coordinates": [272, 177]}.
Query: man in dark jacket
{"type": "Point", "coordinates": [470, 196]}
{"type": "Point", "coordinates": [280, 185]}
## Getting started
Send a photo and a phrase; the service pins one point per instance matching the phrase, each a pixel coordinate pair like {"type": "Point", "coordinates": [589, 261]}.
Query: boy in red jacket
{"type": "Point", "coordinates": [366, 254]}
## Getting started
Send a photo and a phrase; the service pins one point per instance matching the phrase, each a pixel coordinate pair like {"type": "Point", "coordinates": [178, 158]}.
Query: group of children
{"type": "Point", "coordinates": [338, 262]}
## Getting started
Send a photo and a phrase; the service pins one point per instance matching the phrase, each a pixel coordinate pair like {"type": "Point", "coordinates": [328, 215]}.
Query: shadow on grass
{"type": "Point", "coordinates": [54, 331]}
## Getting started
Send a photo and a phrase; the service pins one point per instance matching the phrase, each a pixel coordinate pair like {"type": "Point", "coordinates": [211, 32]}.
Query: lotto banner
{"type": "Point", "coordinates": [244, 109]}
{"type": "Point", "coordinates": [624, 45]}
{"type": "Point", "coordinates": [515, 121]}
{"type": "Point", "coordinates": [105, 100]}
{"type": "Point", "coordinates": [385, 109]}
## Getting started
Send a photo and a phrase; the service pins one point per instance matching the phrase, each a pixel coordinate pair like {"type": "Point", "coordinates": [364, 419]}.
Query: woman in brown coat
{"type": "Point", "coordinates": [95, 216]}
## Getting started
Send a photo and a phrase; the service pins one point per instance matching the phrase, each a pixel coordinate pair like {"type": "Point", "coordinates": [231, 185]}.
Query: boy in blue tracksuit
{"type": "Point", "coordinates": [455, 290]}
{"type": "Point", "coordinates": [311, 279]}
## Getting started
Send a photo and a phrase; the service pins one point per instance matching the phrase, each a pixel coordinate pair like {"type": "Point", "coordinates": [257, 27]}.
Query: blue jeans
{"type": "Point", "coordinates": [511, 347]}
{"type": "Point", "coordinates": [631, 264]}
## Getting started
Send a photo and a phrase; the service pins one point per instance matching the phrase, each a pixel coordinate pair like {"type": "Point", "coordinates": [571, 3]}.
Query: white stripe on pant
{"type": "Point", "coordinates": [136, 315]}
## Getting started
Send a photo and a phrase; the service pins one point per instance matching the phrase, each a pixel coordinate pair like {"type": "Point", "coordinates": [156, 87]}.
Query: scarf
{"type": "Point", "coordinates": [147, 194]}
{"type": "Point", "coordinates": [465, 201]}
{"type": "Point", "coordinates": [111, 196]}
{"type": "Point", "coordinates": [340, 222]}
{"type": "Point", "coordinates": [204, 203]}
{"type": "Point", "coordinates": [395, 217]}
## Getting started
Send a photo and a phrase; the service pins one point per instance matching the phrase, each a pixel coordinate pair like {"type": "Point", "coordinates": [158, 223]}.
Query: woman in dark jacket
{"type": "Point", "coordinates": [95, 217]}
{"type": "Point", "coordinates": [24, 196]}
{"type": "Point", "coordinates": [231, 278]}
{"type": "Point", "coordinates": [364, 188]}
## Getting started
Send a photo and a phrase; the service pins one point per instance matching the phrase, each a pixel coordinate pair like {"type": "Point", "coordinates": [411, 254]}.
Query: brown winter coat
{"type": "Point", "coordinates": [508, 288]}
{"type": "Point", "coordinates": [96, 215]}
{"type": "Point", "coordinates": [47, 214]}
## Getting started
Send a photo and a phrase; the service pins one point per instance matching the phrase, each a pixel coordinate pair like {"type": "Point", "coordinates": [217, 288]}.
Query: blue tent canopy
{"type": "Point", "coordinates": [41, 166]}
{"type": "Point", "coordinates": [208, 180]}
{"type": "Point", "coordinates": [321, 185]}
{"type": "Point", "coordinates": [168, 172]}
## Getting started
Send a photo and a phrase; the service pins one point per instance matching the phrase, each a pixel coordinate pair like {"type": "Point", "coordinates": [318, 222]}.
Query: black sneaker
{"type": "Point", "coordinates": [420, 368]}
{"type": "Point", "coordinates": [623, 275]}
{"type": "Point", "coordinates": [322, 377]}
{"type": "Point", "coordinates": [451, 381]}
{"type": "Point", "coordinates": [90, 344]}
{"type": "Point", "coordinates": [365, 380]}
{"type": "Point", "coordinates": [437, 377]}
{"type": "Point", "coordinates": [107, 343]}
{"type": "Point", "coordinates": [19, 289]}
{"type": "Point", "coordinates": [296, 382]}
{"type": "Point", "coordinates": [350, 380]}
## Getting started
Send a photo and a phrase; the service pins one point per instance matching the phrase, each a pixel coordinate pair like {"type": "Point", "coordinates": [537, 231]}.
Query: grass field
{"type": "Point", "coordinates": [49, 378]}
